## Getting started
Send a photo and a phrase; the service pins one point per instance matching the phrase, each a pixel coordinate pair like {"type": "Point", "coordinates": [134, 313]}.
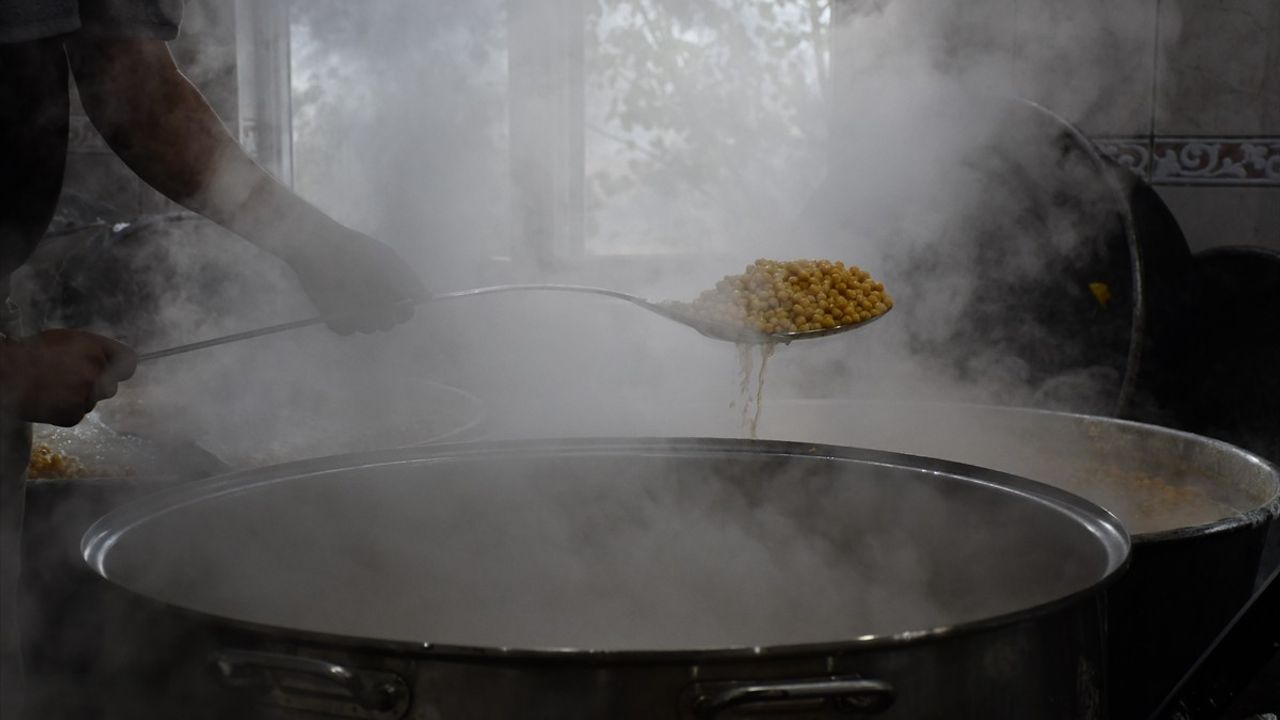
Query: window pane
{"type": "Point", "coordinates": [699, 114]}
{"type": "Point", "coordinates": [400, 121]}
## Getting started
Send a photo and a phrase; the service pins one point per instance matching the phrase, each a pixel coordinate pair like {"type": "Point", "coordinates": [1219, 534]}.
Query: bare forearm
{"type": "Point", "coordinates": [162, 127]}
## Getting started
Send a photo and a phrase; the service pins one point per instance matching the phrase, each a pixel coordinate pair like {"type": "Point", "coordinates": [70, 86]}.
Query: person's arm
{"type": "Point", "coordinates": [165, 131]}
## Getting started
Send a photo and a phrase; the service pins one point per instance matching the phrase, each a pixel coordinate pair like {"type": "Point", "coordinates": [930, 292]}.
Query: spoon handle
{"type": "Point", "coordinates": [320, 319]}
{"type": "Point", "coordinates": [234, 337]}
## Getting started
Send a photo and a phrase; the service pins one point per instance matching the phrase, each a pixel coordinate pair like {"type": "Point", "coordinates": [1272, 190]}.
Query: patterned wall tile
{"type": "Point", "coordinates": [1217, 121]}
{"type": "Point", "coordinates": [1166, 160]}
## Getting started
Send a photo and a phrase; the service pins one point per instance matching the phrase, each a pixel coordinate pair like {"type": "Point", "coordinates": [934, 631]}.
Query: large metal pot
{"type": "Point", "coordinates": [70, 615]}
{"type": "Point", "coordinates": [1234, 393]}
{"type": "Point", "coordinates": [65, 608]}
{"type": "Point", "coordinates": [640, 578]}
{"type": "Point", "coordinates": [1198, 509]}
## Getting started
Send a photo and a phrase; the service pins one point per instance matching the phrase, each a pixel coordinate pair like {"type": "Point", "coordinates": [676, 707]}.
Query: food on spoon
{"type": "Point", "coordinates": [794, 296]}
{"type": "Point", "coordinates": [49, 464]}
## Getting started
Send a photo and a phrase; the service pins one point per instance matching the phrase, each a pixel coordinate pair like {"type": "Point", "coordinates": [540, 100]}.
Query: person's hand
{"type": "Point", "coordinates": [58, 376]}
{"type": "Point", "coordinates": [358, 283]}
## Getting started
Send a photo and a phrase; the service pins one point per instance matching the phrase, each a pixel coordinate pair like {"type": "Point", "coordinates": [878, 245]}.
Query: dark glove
{"type": "Point", "coordinates": [357, 282]}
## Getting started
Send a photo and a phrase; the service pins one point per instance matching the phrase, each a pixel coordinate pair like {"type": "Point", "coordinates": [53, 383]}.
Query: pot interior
{"type": "Point", "coordinates": [629, 545]}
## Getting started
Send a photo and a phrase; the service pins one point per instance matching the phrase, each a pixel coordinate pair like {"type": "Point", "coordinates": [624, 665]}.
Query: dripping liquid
{"type": "Point", "coordinates": [752, 404]}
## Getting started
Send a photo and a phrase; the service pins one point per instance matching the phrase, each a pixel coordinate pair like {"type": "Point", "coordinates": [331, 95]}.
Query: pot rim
{"type": "Point", "coordinates": [211, 464]}
{"type": "Point", "coordinates": [1263, 512]}
{"type": "Point", "coordinates": [1111, 534]}
{"type": "Point", "coordinates": [1116, 185]}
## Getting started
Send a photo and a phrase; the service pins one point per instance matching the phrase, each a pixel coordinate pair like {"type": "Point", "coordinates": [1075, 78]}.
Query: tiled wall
{"type": "Point", "coordinates": [1185, 91]}
{"type": "Point", "coordinates": [1221, 77]}
{"type": "Point", "coordinates": [1189, 95]}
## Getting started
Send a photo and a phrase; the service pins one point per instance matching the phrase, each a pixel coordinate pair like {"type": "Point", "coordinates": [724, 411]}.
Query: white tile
{"type": "Point", "coordinates": [1091, 61]}
{"type": "Point", "coordinates": [1219, 68]}
{"type": "Point", "coordinates": [1213, 216]}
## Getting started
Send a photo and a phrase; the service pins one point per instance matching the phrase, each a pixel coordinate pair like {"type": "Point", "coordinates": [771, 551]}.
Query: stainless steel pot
{"type": "Point", "coordinates": [72, 619]}
{"type": "Point", "coordinates": [65, 608]}
{"type": "Point", "coordinates": [1198, 509]}
{"type": "Point", "coordinates": [638, 578]}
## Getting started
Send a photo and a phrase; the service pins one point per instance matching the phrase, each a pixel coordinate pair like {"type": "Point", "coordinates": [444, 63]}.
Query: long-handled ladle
{"type": "Point", "coordinates": [679, 312]}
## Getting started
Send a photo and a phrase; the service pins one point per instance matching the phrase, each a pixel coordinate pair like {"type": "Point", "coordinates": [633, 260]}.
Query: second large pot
{"type": "Point", "coordinates": [1199, 509]}
{"type": "Point", "coordinates": [623, 579]}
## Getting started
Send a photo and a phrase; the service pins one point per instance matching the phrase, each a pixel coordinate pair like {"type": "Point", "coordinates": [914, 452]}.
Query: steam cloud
{"type": "Point", "coordinates": [902, 160]}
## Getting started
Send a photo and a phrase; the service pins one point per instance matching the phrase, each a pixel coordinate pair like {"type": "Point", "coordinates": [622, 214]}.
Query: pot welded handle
{"type": "Point", "coordinates": [253, 669]}
{"type": "Point", "coordinates": [851, 695]}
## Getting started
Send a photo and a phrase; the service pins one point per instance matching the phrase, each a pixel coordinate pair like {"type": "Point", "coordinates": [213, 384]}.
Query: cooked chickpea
{"type": "Point", "coordinates": [47, 463]}
{"type": "Point", "coordinates": [794, 296]}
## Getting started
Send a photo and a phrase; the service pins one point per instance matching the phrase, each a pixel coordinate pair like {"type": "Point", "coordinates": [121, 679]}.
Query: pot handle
{"type": "Point", "coordinates": [851, 695]}
{"type": "Point", "coordinates": [246, 668]}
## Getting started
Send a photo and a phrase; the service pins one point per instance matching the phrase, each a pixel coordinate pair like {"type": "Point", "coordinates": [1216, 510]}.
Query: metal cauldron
{"type": "Point", "coordinates": [1198, 509]}
{"type": "Point", "coordinates": [640, 578]}
{"type": "Point", "coordinates": [65, 608]}
{"type": "Point", "coordinates": [70, 615]}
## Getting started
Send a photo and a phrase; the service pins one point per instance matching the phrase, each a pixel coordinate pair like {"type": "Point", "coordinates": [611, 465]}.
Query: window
{"type": "Point", "coordinates": [400, 120]}
{"type": "Point", "coordinates": [694, 109]}
{"type": "Point", "coordinates": [554, 130]}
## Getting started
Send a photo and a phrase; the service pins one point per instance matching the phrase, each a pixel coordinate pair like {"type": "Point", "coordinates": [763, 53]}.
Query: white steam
{"type": "Point", "coordinates": [885, 138]}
